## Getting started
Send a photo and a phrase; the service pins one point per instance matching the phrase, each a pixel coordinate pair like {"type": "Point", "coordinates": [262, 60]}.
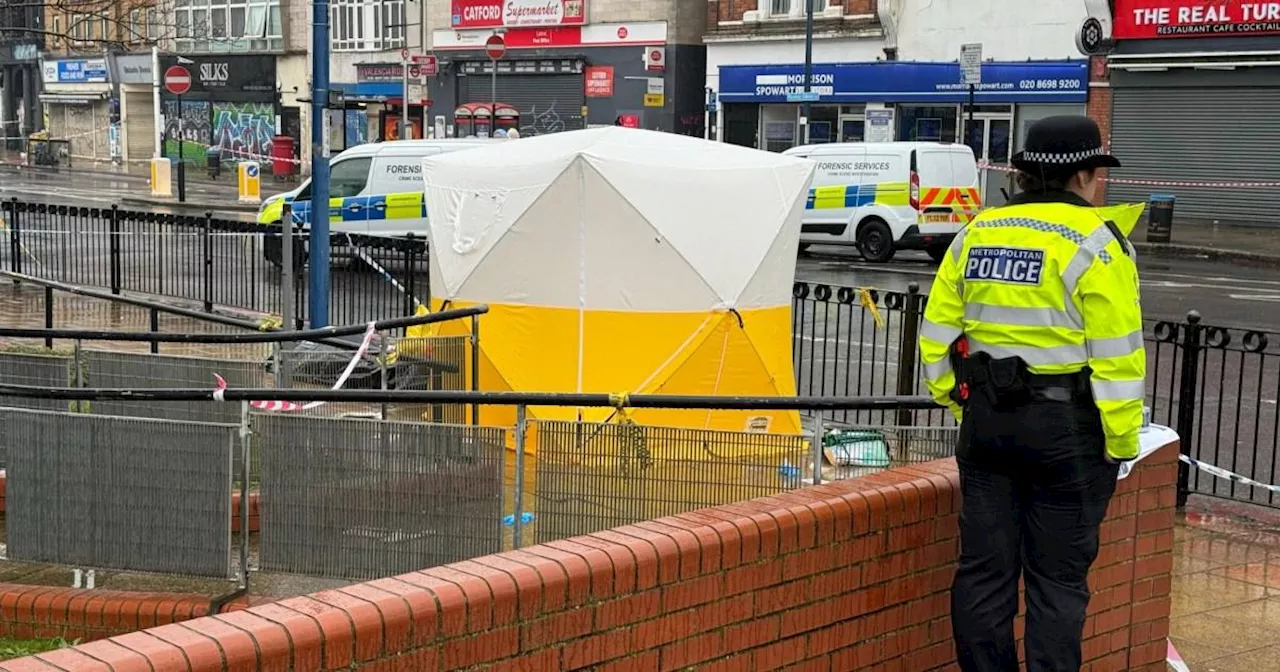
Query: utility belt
{"type": "Point", "coordinates": [1008, 383]}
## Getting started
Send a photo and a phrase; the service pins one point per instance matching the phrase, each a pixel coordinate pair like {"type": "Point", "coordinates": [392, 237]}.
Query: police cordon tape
{"type": "Point", "coordinates": [1227, 475]}
{"type": "Point", "coordinates": [986, 165]}
{"type": "Point", "coordinates": [290, 406]}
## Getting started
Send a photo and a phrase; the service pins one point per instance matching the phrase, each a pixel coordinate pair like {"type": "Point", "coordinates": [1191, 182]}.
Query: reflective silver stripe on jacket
{"type": "Point", "coordinates": [1033, 355]}
{"type": "Point", "coordinates": [939, 332]}
{"type": "Point", "coordinates": [1021, 317]}
{"type": "Point", "coordinates": [937, 369]}
{"type": "Point", "coordinates": [1093, 247]}
{"type": "Point", "coordinates": [1118, 346]}
{"type": "Point", "coordinates": [1118, 390]}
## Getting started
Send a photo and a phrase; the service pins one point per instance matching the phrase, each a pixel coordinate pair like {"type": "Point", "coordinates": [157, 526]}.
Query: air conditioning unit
{"type": "Point", "coordinates": [752, 16]}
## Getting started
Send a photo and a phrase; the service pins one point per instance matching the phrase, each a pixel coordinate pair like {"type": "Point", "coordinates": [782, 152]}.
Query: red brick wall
{"type": "Point", "coordinates": [28, 612]}
{"type": "Point", "coordinates": [1099, 107]}
{"type": "Point", "coordinates": [845, 576]}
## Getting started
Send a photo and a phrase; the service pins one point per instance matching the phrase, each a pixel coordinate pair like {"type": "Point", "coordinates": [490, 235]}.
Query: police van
{"type": "Point", "coordinates": [890, 196]}
{"type": "Point", "coordinates": [374, 189]}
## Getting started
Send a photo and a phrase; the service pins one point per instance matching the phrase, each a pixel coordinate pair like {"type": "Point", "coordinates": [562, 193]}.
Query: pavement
{"type": "Point", "coordinates": [1226, 587]}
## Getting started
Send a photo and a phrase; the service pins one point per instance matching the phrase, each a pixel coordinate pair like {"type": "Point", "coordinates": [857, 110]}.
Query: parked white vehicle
{"type": "Point", "coordinates": [890, 196]}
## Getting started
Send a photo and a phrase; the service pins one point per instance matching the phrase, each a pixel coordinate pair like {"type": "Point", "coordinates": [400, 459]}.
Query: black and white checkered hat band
{"type": "Point", "coordinates": [1063, 159]}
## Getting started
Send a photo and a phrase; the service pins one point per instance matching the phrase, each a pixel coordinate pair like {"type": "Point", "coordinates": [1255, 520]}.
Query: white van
{"type": "Point", "coordinates": [888, 196]}
{"type": "Point", "coordinates": [374, 189]}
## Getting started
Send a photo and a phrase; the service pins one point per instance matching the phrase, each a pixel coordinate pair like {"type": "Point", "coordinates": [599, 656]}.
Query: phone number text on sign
{"type": "Point", "coordinates": [1049, 84]}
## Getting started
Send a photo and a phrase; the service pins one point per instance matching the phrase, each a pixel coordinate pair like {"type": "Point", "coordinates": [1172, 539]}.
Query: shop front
{"type": "Point", "coordinates": [566, 76]}
{"type": "Point", "coordinates": [373, 106]}
{"type": "Point", "coordinates": [232, 108]}
{"type": "Point", "coordinates": [132, 76]}
{"type": "Point", "coordinates": [1195, 91]}
{"type": "Point", "coordinates": [79, 107]}
{"type": "Point", "coordinates": [888, 101]}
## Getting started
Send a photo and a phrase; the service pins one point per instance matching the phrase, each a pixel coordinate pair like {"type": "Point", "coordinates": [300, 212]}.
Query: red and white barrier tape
{"type": "Point", "coordinates": [1153, 183]}
{"type": "Point", "coordinates": [290, 406]}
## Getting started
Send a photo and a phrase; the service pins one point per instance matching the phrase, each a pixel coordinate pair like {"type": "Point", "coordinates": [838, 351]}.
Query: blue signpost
{"type": "Point", "coordinates": [318, 297]}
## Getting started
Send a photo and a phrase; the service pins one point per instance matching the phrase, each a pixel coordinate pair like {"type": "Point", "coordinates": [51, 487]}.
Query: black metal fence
{"type": "Point", "coordinates": [1217, 386]}
{"type": "Point", "coordinates": [211, 261]}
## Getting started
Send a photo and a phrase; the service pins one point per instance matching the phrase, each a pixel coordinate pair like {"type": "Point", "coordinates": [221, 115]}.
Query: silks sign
{"type": "Point", "coordinates": [1154, 19]}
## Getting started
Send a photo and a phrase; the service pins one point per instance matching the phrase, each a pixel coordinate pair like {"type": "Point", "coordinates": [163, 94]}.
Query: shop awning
{"type": "Point", "coordinates": [369, 92]}
{"type": "Point", "coordinates": [86, 98]}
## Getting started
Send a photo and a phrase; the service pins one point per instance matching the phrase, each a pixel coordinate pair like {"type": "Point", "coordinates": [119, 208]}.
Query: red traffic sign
{"type": "Point", "coordinates": [429, 64]}
{"type": "Point", "coordinates": [495, 47]}
{"type": "Point", "coordinates": [177, 80]}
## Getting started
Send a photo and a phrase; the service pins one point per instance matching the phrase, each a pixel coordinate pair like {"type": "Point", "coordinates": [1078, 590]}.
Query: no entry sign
{"type": "Point", "coordinates": [495, 47]}
{"type": "Point", "coordinates": [177, 80]}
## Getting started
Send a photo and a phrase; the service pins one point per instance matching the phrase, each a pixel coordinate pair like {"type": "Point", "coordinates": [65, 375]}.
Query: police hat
{"type": "Point", "coordinates": [1064, 142]}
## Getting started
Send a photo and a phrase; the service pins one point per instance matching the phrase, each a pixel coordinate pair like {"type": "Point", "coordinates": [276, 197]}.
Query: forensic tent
{"type": "Point", "coordinates": [617, 260]}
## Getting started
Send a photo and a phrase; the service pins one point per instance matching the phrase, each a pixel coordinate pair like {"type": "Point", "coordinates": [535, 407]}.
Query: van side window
{"type": "Point", "coordinates": [348, 178]}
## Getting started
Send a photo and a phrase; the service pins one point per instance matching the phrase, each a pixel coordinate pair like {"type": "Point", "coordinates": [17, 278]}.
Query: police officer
{"type": "Point", "coordinates": [1033, 338]}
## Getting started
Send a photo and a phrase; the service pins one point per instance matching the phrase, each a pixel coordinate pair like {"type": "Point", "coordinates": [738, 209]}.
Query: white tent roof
{"type": "Point", "coordinates": [615, 219]}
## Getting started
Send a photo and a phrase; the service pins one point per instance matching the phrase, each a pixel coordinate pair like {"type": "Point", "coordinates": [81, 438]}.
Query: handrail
{"type": "Point", "coordinates": [586, 400]}
{"type": "Point", "coordinates": [253, 328]}
{"type": "Point", "coordinates": [256, 337]}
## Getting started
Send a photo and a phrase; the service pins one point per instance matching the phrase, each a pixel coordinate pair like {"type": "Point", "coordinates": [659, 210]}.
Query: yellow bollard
{"type": "Point", "coordinates": [249, 182]}
{"type": "Point", "coordinates": [161, 181]}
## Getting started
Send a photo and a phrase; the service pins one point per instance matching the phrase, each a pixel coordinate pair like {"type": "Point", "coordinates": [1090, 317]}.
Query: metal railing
{"type": "Point", "coordinates": [206, 260]}
{"type": "Point", "coordinates": [1217, 386]}
{"type": "Point", "coordinates": [361, 498]}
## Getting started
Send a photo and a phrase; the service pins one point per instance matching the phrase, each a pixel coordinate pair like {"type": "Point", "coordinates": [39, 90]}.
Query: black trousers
{"type": "Point", "coordinates": [1035, 488]}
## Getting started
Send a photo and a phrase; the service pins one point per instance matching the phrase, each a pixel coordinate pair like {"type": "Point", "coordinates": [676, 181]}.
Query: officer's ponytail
{"type": "Point", "coordinates": [1048, 179]}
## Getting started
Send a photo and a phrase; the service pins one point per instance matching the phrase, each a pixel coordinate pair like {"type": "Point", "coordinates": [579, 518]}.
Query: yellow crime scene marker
{"type": "Point", "coordinates": [161, 183]}
{"type": "Point", "coordinates": [249, 182]}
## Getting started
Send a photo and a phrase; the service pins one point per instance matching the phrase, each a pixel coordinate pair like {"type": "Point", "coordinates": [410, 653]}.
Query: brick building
{"type": "Point", "coordinates": [571, 64]}
{"type": "Point", "coordinates": [887, 70]}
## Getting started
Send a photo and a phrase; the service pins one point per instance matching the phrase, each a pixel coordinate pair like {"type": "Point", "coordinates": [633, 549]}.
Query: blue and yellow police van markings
{"type": "Point", "coordinates": [409, 205]}
{"type": "Point", "coordinates": [857, 195]}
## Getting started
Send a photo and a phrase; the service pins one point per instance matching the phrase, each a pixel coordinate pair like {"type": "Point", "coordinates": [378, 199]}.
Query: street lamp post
{"type": "Point", "coordinates": [318, 262]}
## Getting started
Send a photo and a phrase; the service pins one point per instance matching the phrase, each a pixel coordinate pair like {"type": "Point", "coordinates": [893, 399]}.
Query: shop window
{"type": "Point", "coordinates": [824, 124]}
{"type": "Point", "coordinates": [927, 124]}
{"type": "Point", "coordinates": [778, 127]}
{"type": "Point", "coordinates": [365, 25]}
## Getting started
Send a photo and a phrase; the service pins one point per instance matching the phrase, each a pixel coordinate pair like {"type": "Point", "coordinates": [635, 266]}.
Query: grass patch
{"type": "Point", "coordinates": [17, 648]}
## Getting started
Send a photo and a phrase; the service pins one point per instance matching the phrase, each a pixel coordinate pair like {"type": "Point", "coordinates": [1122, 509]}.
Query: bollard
{"type": "Point", "coordinates": [249, 182]}
{"type": "Point", "coordinates": [161, 177]}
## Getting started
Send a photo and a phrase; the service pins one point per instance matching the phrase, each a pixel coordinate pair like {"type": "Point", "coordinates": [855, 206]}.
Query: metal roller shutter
{"type": "Point", "coordinates": [1199, 135]}
{"type": "Point", "coordinates": [548, 103]}
{"type": "Point", "coordinates": [140, 127]}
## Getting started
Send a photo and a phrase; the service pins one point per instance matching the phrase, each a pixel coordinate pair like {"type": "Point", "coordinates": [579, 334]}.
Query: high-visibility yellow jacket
{"type": "Point", "coordinates": [1051, 283]}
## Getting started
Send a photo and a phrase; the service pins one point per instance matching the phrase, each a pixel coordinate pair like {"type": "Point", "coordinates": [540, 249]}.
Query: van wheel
{"type": "Point", "coordinates": [875, 241]}
{"type": "Point", "coordinates": [938, 252]}
{"type": "Point", "coordinates": [804, 248]}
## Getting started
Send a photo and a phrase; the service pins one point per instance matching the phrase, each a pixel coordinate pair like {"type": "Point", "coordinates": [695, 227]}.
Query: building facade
{"type": "Point", "coordinates": [569, 64]}
{"type": "Point", "coordinates": [888, 70]}
{"type": "Point", "coordinates": [21, 40]}
{"type": "Point", "coordinates": [1195, 102]}
{"type": "Point", "coordinates": [369, 39]}
{"type": "Point", "coordinates": [96, 76]}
